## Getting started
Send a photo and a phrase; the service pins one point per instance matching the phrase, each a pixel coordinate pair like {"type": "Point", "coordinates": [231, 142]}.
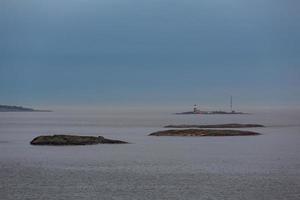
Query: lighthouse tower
{"type": "Point", "coordinates": [196, 110]}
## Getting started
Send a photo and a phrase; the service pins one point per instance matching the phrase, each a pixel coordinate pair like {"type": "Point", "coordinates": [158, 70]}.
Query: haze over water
{"type": "Point", "coordinates": [108, 58]}
{"type": "Point", "coordinates": [254, 167]}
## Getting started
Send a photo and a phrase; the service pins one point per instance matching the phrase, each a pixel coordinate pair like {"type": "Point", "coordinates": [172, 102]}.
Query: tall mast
{"type": "Point", "coordinates": [231, 103]}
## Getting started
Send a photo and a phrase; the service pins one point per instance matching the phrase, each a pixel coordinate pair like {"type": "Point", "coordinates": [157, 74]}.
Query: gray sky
{"type": "Point", "coordinates": [149, 52]}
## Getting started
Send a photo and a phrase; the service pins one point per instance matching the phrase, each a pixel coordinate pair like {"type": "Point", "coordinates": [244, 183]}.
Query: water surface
{"type": "Point", "coordinates": [252, 167]}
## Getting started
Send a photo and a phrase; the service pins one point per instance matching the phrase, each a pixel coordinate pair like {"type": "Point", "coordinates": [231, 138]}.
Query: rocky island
{"type": "Point", "coordinates": [197, 111]}
{"type": "Point", "coordinates": [220, 112]}
{"type": "Point", "coordinates": [6, 108]}
{"type": "Point", "coordinates": [203, 132]}
{"type": "Point", "coordinates": [72, 140]}
{"type": "Point", "coordinates": [217, 126]}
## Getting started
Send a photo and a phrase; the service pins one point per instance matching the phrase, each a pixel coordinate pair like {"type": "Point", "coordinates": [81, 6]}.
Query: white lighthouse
{"type": "Point", "coordinates": [196, 110]}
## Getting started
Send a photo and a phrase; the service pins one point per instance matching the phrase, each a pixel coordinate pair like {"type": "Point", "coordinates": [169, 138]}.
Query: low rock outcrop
{"type": "Point", "coordinates": [216, 126]}
{"type": "Point", "coordinates": [203, 132]}
{"type": "Point", "coordinates": [72, 140]}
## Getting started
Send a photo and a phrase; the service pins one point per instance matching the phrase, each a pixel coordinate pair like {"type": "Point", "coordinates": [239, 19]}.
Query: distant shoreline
{"type": "Point", "coordinates": [8, 108]}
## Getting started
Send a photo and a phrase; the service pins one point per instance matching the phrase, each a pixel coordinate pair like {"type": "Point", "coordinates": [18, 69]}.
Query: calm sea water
{"type": "Point", "coordinates": [253, 167]}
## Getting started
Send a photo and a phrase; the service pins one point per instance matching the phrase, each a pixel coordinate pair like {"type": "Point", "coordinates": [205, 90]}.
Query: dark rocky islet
{"type": "Point", "coordinates": [7, 108]}
{"type": "Point", "coordinates": [203, 133]}
{"type": "Point", "coordinates": [211, 113]}
{"type": "Point", "coordinates": [216, 126]}
{"type": "Point", "coordinates": [61, 140]}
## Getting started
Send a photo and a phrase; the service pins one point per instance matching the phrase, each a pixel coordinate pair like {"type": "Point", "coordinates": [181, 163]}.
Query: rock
{"type": "Point", "coordinates": [7, 108]}
{"type": "Point", "coordinates": [203, 132]}
{"type": "Point", "coordinates": [72, 140]}
{"type": "Point", "coordinates": [216, 126]}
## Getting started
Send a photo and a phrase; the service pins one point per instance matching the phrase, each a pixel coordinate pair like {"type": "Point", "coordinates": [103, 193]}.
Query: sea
{"type": "Point", "coordinates": [264, 167]}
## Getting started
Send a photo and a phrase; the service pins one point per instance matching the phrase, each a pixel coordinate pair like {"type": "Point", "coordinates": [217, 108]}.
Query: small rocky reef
{"type": "Point", "coordinates": [7, 108]}
{"type": "Point", "coordinates": [61, 140]}
{"type": "Point", "coordinates": [217, 126]}
{"type": "Point", "coordinates": [203, 132]}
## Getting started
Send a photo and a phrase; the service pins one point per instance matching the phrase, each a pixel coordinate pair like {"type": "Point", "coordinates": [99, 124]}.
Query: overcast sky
{"type": "Point", "coordinates": [154, 52]}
